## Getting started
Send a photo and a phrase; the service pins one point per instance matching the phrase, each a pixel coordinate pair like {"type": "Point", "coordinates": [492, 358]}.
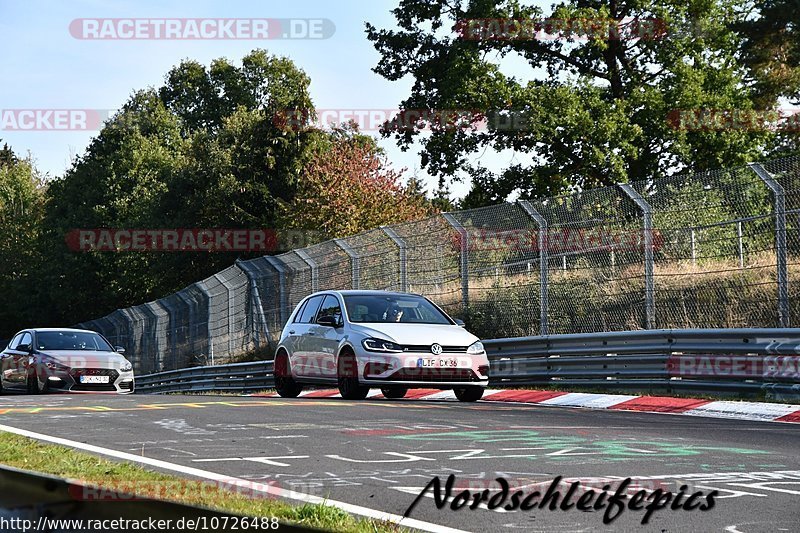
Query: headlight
{"type": "Point", "coordinates": [126, 366]}
{"type": "Point", "coordinates": [380, 345]}
{"type": "Point", "coordinates": [476, 349]}
{"type": "Point", "coordinates": [52, 365]}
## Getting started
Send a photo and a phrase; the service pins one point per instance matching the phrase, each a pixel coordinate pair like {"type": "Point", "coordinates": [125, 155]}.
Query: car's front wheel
{"type": "Point", "coordinates": [394, 393]}
{"type": "Point", "coordinates": [469, 394]}
{"type": "Point", "coordinates": [347, 373]}
{"type": "Point", "coordinates": [34, 385]}
{"type": "Point", "coordinates": [285, 385]}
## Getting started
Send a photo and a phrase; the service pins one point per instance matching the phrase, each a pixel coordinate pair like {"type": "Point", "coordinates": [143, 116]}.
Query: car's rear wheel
{"type": "Point", "coordinates": [394, 393]}
{"type": "Point", "coordinates": [285, 385]}
{"type": "Point", "coordinates": [347, 373]}
{"type": "Point", "coordinates": [469, 394]}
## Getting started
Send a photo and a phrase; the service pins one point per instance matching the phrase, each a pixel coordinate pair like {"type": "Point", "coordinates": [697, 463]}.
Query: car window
{"type": "Point", "coordinates": [71, 340]}
{"type": "Point", "coordinates": [310, 310]}
{"type": "Point", "coordinates": [26, 339]}
{"type": "Point", "coordinates": [393, 308]}
{"type": "Point", "coordinates": [330, 307]}
{"type": "Point", "coordinates": [299, 312]}
{"type": "Point", "coordinates": [15, 342]}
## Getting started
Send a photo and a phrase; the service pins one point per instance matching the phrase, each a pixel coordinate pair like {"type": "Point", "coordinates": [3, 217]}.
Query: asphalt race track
{"type": "Point", "coordinates": [381, 453]}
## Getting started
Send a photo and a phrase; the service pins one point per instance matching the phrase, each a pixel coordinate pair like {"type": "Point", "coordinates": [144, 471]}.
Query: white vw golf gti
{"type": "Point", "coordinates": [363, 339]}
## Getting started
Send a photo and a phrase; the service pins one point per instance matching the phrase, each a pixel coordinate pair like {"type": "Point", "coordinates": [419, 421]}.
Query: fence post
{"type": "Point", "coordinates": [401, 248]}
{"type": "Point", "coordinates": [276, 263]}
{"type": "Point", "coordinates": [355, 264]}
{"type": "Point", "coordinates": [741, 244]}
{"type": "Point", "coordinates": [464, 257]}
{"type": "Point", "coordinates": [780, 241]}
{"type": "Point", "coordinates": [259, 320]}
{"type": "Point", "coordinates": [191, 319]}
{"type": "Point", "coordinates": [649, 289]}
{"type": "Point", "coordinates": [313, 266]}
{"type": "Point", "coordinates": [543, 270]}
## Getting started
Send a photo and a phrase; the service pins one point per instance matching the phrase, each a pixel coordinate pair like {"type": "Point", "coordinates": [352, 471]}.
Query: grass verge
{"type": "Point", "coordinates": [29, 454]}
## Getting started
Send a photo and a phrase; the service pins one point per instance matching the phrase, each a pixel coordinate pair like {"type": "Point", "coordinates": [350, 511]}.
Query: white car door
{"type": "Point", "coordinates": [303, 339]}
{"type": "Point", "coordinates": [326, 338]}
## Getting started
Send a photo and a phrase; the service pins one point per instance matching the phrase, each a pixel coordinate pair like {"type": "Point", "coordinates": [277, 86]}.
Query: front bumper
{"type": "Point", "coordinates": [70, 380]}
{"type": "Point", "coordinates": [415, 370]}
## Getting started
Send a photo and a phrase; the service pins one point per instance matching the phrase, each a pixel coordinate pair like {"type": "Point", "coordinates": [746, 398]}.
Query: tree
{"type": "Point", "coordinates": [203, 151]}
{"type": "Point", "coordinates": [7, 156]}
{"type": "Point", "coordinates": [588, 107]}
{"type": "Point", "coordinates": [348, 187]}
{"type": "Point", "coordinates": [769, 46]}
{"type": "Point", "coordinates": [21, 207]}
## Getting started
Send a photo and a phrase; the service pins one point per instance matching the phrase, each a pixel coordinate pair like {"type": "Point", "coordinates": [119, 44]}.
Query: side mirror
{"type": "Point", "coordinates": [119, 349]}
{"type": "Point", "coordinates": [459, 322]}
{"type": "Point", "coordinates": [329, 321]}
{"type": "Point", "coordinates": [24, 347]}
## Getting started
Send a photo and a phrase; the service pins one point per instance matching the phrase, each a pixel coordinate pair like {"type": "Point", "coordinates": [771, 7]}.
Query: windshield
{"type": "Point", "coordinates": [393, 308]}
{"type": "Point", "coordinates": [71, 340]}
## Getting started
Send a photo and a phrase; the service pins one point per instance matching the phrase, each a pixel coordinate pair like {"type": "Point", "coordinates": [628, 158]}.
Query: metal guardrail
{"type": "Point", "coordinates": [700, 360]}
{"type": "Point", "coordinates": [236, 377]}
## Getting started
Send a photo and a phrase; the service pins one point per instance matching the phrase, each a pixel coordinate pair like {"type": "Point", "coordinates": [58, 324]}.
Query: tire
{"type": "Point", "coordinates": [469, 394]}
{"type": "Point", "coordinates": [285, 385]}
{"type": "Point", "coordinates": [34, 387]}
{"type": "Point", "coordinates": [347, 372]}
{"type": "Point", "coordinates": [394, 393]}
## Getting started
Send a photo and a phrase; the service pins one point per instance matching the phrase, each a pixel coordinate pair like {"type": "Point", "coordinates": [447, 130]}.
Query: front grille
{"type": "Point", "coordinates": [434, 374]}
{"type": "Point", "coordinates": [426, 348]}
{"type": "Point", "coordinates": [76, 374]}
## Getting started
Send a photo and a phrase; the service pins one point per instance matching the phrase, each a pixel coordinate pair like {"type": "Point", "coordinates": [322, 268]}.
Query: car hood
{"type": "Point", "coordinates": [420, 334]}
{"type": "Point", "coordinates": [85, 358]}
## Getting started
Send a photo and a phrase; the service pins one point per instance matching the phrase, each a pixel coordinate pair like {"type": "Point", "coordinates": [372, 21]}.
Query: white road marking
{"type": "Point", "coordinates": [582, 399]}
{"type": "Point", "coordinates": [743, 410]}
{"type": "Point", "coordinates": [264, 460]}
{"type": "Point", "coordinates": [239, 482]}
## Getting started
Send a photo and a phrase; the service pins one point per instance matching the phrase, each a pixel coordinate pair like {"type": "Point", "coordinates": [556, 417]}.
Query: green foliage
{"type": "Point", "coordinates": [589, 111]}
{"type": "Point", "coordinates": [349, 187]}
{"type": "Point", "coordinates": [21, 205]}
{"type": "Point", "coordinates": [207, 149]}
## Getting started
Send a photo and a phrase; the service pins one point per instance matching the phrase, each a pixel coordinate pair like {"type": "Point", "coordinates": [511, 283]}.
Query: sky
{"type": "Point", "coordinates": [45, 67]}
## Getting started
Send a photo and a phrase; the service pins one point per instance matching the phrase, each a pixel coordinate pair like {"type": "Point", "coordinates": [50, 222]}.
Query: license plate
{"type": "Point", "coordinates": [94, 379]}
{"type": "Point", "coordinates": [448, 362]}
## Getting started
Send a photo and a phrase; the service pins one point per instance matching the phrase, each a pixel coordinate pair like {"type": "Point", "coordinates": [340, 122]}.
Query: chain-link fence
{"type": "Point", "coordinates": [717, 249]}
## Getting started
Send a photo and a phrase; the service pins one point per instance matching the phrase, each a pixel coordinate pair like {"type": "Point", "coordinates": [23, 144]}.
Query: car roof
{"type": "Point", "coordinates": [359, 292]}
{"type": "Point", "coordinates": [70, 330]}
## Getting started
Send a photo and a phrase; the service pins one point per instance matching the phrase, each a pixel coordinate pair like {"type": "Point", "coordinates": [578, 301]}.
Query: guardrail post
{"type": "Point", "coordinates": [401, 248]}
{"type": "Point", "coordinates": [313, 266]}
{"type": "Point", "coordinates": [649, 288]}
{"type": "Point", "coordinates": [780, 241]}
{"type": "Point", "coordinates": [355, 263]}
{"type": "Point", "coordinates": [543, 271]}
{"type": "Point", "coordinates": [284, 301]}
{"type": "Point", "coordinates": [464, 256]}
